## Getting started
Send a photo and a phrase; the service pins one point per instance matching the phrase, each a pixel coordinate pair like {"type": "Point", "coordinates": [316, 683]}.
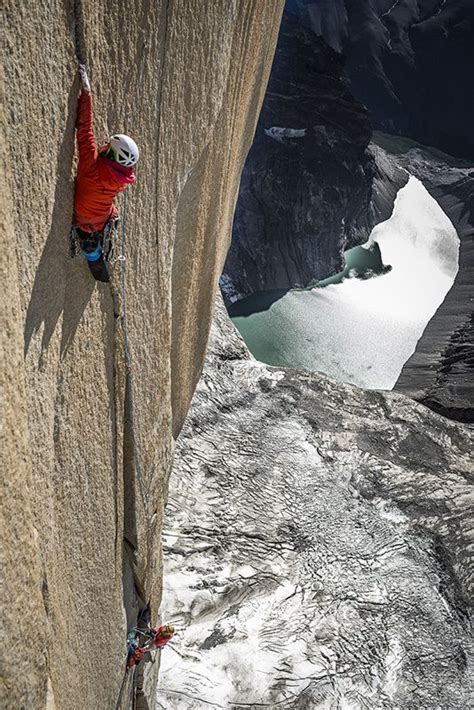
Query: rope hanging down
{"type": "Point", "coordinates": [79, 46]}
{"type": "Point", "coordinates": [128, 364]}
{"type": "Point", "coordinates": [140, 642]}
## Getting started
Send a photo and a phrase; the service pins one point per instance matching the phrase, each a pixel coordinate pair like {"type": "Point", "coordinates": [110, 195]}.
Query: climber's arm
{"type": "Point", "coordinates": [85, 132]}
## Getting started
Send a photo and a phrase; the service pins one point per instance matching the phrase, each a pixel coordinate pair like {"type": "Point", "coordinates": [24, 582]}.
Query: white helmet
{"type": "Point", "coordinates": [124, 149]}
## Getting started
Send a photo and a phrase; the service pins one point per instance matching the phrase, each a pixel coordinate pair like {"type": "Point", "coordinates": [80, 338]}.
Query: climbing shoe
{"type": "Point", "coordinates": [99, 269]}
{"type": "Point", "coordinates": [91, 244]}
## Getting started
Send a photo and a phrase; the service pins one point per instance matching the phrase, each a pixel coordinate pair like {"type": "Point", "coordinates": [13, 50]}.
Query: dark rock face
{"type": "Point", "coordinates": [409, 61]}
{"type": "Point", "coordinates": [389, 178]}
{"type": "Point", "coordinates": [316, 546]}
{"type": "Point", "coordinates": [306, 186]}
{"type": "Point", "coordinates": [417, 81]}
{"type": "Point", "coordinates": [304, 198]}
{"type": "Point", "coordinates": [452, 390]}
{"type": "Point", "coordinates": [305, 191]}
{"type": "Point", "coordinates": [441, 371]}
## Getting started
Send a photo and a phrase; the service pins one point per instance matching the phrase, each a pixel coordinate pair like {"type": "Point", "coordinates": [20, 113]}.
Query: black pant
{"type": "Point", "coordinates": [89, 241]}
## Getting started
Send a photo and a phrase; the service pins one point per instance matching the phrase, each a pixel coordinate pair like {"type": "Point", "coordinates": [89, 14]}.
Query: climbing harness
{"type": "Point", "coordinates": [95, 244]}
{"type": "Point", "coordinates": [109, 237]}
{"type": "Point", "coordinates": [135, 654]}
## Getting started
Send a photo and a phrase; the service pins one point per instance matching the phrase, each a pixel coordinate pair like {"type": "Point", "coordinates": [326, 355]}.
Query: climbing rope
{"type": "Point", "coordinates": [128, 677]}
{"type": "Point", "coordinates": [128, 362]}
{"type": "Point", "coordinates": [107, 244]}
{"type": "Point", "coordinates": [141, 641]}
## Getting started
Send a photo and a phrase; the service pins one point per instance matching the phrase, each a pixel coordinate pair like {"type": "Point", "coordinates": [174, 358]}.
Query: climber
{"type": "Point", "coordinates": [162, 635]}
{"type": "Point", "coordinates": [101, 174]}
{"type": "Point", "coordinates": [141, 642]}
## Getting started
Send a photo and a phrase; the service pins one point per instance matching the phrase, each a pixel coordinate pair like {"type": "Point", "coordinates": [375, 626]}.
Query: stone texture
{"type": "Point", "coordinates": [186, 79]}
{"type": "Point", "coordinates": [24, 682]}
{"type": "Point", "coordinates": [318, 545]}
{"type": "Point", "coordinates": [409, 62]}
{"type": "Point", "coordinates": [440, 372]}
{"type": "Point", "coordinates": [303, 199]}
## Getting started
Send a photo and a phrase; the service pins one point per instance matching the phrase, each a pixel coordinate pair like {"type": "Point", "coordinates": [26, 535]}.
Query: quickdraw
{"type": "Point", "coordinates": [109, 237]}
{"type": "Point", "coordinates": [74, 245]}
{"type": "Point", "coordinates": [135, 654]}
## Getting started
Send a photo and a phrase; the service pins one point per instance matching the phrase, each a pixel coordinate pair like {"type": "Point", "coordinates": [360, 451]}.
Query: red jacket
{"type": "Point", "coordinates": [98, 179]}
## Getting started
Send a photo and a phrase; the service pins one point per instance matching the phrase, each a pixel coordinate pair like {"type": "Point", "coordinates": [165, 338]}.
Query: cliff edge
{"type": "Point", "coordinates": [87, 459]}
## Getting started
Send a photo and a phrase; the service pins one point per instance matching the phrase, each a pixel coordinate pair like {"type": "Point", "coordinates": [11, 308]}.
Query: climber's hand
{"type": "Point", "coordinates": [83, 77]}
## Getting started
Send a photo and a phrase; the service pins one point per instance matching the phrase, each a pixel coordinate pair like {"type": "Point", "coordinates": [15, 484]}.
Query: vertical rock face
{"type": "Point", "coordinates": [441, 371]}
{"type": "Point", "coordinates": [306, 186]}
{"type": "Point", "coordinates": [88, 458]}
{"type": "Point", "coordinates": [23, 614]}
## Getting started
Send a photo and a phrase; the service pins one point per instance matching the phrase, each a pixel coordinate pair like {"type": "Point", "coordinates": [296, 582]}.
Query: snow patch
{"type": "Point", "coordinates": [393, 664]}
{"type": "Point", "coordinates": [281, 134]}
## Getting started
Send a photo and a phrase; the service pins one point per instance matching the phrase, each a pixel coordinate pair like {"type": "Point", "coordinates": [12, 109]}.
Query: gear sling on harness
{"type": "Point", "coordinates": [94, 244]}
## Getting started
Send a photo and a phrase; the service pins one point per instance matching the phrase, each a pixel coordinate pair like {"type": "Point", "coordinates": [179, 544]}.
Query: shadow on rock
{"type": "Point", "coordinates": [56, 271]}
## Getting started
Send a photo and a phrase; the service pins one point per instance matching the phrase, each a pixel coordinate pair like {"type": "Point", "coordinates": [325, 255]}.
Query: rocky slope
{"type": "Point", "coordinates": [409, 61]}
{"type": "Point", "coordinates": [86, 458]}
{"type": "Point", "coordinates": [440, 372]}
{"type": "Point", "coordinates": [317, 545]}
{"type": "Point", "coordinates": [390, 49]}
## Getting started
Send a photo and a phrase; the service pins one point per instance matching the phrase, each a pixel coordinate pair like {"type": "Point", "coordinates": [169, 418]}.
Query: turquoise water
{"type": "Point", "coordinates": [270, 344]}
{"type": "Point", "coordinates": [360, 262]}
{"type": "Point", "coordinates": [362, 325]}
